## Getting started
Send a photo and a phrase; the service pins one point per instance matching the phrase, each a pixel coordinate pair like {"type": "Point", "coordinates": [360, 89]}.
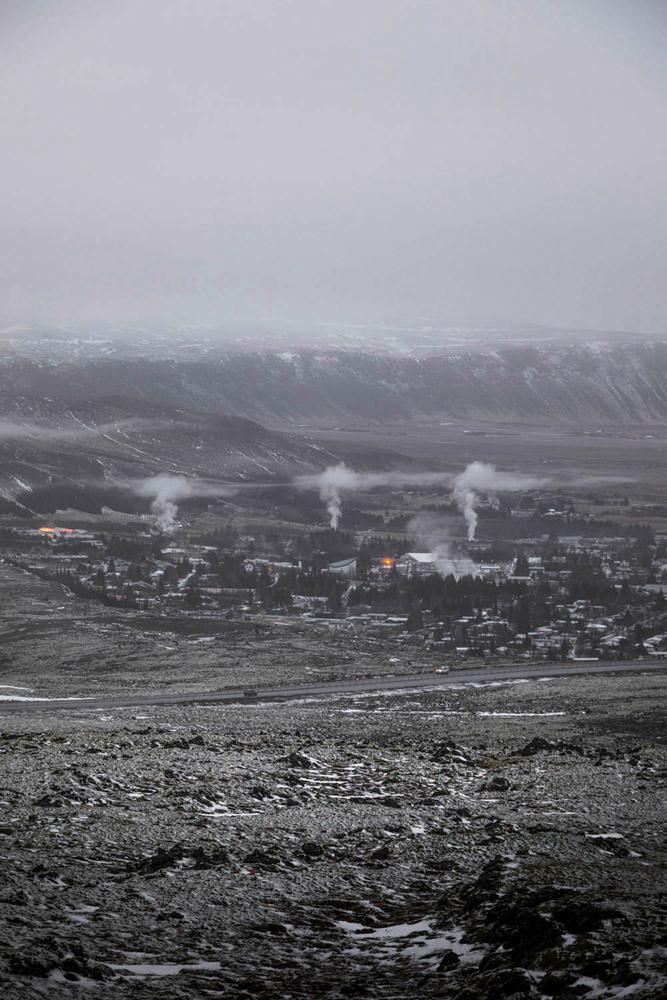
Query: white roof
{"type": "Point", "coordinates": [422, 557]}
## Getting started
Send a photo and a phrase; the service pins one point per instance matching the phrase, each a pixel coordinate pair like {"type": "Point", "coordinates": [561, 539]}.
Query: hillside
{"type": "Point", "coordinates": [549, 383]}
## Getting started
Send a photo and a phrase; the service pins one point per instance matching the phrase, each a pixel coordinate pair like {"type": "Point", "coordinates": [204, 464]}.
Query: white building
{"type": "Point", "coordinates": [344, 567]}
{"type": "Point", "coordinates": [416, 564]}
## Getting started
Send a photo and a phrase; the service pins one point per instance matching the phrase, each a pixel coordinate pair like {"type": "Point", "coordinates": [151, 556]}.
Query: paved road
{"type": "Point", "coordinates": [230, 696]}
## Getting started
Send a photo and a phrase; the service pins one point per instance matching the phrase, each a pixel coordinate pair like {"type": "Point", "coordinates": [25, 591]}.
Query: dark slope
{"type": "Point", "coordinates": [613, 384]}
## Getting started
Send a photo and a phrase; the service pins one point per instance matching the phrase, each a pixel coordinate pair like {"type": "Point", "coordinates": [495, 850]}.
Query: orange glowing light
{"type": "Point", "coordinates": [57, 531]}
{"type": "Point", "coordinates": [388, 561]}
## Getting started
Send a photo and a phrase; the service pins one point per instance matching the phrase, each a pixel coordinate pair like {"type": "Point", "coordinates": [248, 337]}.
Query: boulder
{"type": "Point", "coordinates": [496, 785]}
{"type": "Point", "coordinates": [579, 916]}
{"type": "Point", "coordinates": [450, 960]}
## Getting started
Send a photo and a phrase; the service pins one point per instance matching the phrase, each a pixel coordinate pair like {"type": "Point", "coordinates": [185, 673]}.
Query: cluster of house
{"type": "Point", "coordinates": [57, 536]}
{"type": "Point", "coordinates": [187, 577]}
{"type": "Point", "coordinates": [583, 631]}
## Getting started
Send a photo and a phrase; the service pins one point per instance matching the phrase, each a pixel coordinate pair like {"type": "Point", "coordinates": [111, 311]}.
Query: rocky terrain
{"type": "Point", "coordinates": [496, 841]}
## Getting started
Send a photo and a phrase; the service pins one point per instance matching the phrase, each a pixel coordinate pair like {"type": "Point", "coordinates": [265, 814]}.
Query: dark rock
{"type": "Point", "coordinates": [272, 927]}
{"type": "Point", "coordinates": [212, 859]}
{"type": "Point", "coordinates": [522, 928]}
{"type": "Point", "coordinates": [259, 792]}
{"type": "Point", "coordinates": [312, 850]}
{"type": "Point", "coordinates": [449, 961]}
{"type": "Point", "coordinates": [505, 983]}
{"type": "Point", "coordinates": [36, 962]}
{"type": "Point", "coordinates": [580, 917]}
{"type": "Point", "coordinates": [625, 974]}
{"type": "Point", "coordinates": [536, 745]}
{"type": "Point", "coordinates": [296, 759]}
{"type": "Point", "coordinates": [611, 973]}
{"type": "Point", "coordinates": [546, 894]}
{"type": "Point", "coordinates": [555, 983]}
{"type": "Point", "coordinates": [598, 968]}
{"type": "Point", "coordinates": [539, 744]}
{"type": "Point", "coordinates": [496, 785]}
{"type": "Point", "coordinates": [197, 741]}
{"type": "Point", "coordinates": [380, 854]}
{"type": "Point", "coordinates": [171, 915]}
{"type": "Point", "coordinates": [485, 887]}
{"type": "Point", "coordinates": [73, 964]}
{"type": "Point", "coordinates": [439, 865]}
{"type": "Point", "coordinates": [444, 748]}
{"type": "Point", "coordinates": [18, 898]}
{"type": "Point", "coordinates": [261, 859]}
{"type": "Point", "coordinates": [391, 801]}
{"type": "Point", "coordinates": [47, 801]}
{"type": "Point", "coordinates": [94, 970]}
{"type": "Point", "coordinates": [493, 960]}
{"type": "Point", "coordinates": [161, 859]}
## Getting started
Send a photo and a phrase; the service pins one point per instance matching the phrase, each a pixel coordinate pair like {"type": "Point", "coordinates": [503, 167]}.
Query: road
{"type": "Point", "coordinates": [231, 696]}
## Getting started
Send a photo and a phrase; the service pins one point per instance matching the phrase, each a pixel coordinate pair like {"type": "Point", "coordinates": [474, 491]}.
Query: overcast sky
{"type": "Point", "coordinates": [196, 160]}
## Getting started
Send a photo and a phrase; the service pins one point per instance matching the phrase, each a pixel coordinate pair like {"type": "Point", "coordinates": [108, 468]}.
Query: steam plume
{"type": "Point", "coordinates": [481, 479]}
{"type": "Point", "coordinates": [433, 531]}
{"type": "Point", "coordinates": [166, 489]}
{"type": "Point", "coordinates": [331, 482]}
{"type": "Point", "coordinates": [477, 479]}
{"type": "Point", "coordinates": [338, 479]}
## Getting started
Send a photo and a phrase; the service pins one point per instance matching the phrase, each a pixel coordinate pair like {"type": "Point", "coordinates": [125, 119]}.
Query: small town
{"type": "Point", "coordinates": [550, 597]}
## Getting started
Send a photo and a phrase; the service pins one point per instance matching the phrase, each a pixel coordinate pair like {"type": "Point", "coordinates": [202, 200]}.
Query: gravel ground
{"type": "Point", "coordinates": [54, 645]}
{"type": "Point", "coordinates": [489, 842]}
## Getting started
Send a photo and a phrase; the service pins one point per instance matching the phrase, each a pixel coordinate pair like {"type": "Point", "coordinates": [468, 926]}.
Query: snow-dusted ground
{"type": "Point", "coordinates": [423, 845]}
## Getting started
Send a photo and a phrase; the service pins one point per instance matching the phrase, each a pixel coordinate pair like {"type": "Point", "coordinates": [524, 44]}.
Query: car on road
{"type": "Point", "coordinates": [250, 693]}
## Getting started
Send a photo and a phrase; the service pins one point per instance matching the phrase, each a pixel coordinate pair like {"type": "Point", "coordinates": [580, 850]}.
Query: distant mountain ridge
{"type": "Point", "coordinates": [547, 383]}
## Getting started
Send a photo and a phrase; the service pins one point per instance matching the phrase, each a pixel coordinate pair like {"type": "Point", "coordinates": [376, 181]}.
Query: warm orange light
{"type": "Point", "coordinates": [57, 531]}
{"type": "Point", "coordinates": [387, 561]}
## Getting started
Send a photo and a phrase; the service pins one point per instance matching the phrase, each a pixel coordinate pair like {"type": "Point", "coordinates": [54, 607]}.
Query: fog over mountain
{"type": "Point", "coordinates": [194, 161]}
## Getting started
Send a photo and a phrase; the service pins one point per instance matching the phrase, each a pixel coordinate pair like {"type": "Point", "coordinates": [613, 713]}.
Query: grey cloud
{"type": "Point", "coordinates": [207, 159]}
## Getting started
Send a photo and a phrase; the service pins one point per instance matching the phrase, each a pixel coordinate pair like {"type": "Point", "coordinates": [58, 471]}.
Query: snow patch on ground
{"type": "Point", "coordinates": [167, 968]}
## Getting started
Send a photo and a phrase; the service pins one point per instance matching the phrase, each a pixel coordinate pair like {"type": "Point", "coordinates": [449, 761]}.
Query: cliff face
{"type": "Point", "coordinates": [588, 384]}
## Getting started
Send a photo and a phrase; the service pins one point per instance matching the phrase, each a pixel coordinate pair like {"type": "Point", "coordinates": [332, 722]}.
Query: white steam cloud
{"type": "Point", "coordinates": [433, 531]}
{"type": "Point", "coordinates": [476, 481]}
{"type": "Point", "coordinates": [167, 489]}
{"type": "Point", "coordinates": [479, 479]}
{"type": "Point", "coordinates": [339, 479]}
{"type": "Point", "coordinates": [331, 482]}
